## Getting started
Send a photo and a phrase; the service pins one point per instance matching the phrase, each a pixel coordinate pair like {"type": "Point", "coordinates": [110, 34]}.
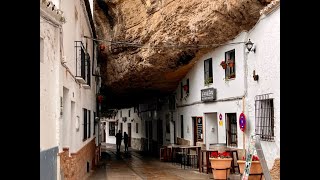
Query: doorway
{"type": "Point", "coordinates": [129, 134]}
{"type": "Point", "coordinates": [197, 128]}
{"type": "Point", "coordinates": [211, 133]}
{"type": "Point", "coordinates": [231, 129]}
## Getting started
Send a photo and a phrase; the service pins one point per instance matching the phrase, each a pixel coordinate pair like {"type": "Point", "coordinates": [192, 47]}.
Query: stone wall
{"type": "Point", "coordinates": [74, 167]}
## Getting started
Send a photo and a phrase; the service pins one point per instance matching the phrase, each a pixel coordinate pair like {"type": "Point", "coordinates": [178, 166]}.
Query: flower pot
{"type": "Point", "coordinates": [254, 169]}
{"type": "Point", "coordinates": [219, 166]}
{"type": "Point", "coordinates": [231, 64]}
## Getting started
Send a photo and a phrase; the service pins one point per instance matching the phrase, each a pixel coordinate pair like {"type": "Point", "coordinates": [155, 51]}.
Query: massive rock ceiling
{"type": "Point", "coordinates": [149, 45]}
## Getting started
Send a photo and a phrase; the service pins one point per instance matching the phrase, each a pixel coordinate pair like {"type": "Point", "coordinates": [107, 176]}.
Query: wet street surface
{"type": "Point", "coordinates": [137, 165]}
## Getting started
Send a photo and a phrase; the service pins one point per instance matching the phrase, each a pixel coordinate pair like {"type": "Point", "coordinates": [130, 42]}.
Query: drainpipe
{"type": "Point", "coordinates": [245, 68]}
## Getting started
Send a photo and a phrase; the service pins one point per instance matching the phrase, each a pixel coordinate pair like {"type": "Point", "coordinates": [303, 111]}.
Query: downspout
{"type": "Point", "coordinates": [245, 68]}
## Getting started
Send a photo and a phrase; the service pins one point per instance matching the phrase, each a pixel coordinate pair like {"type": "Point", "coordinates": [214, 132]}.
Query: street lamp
{"type": "Point", "coordinates": [250, 47]}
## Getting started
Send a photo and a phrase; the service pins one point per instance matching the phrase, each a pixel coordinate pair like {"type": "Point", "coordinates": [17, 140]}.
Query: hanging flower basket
{"type": "Point", "coordinates": [102, 47]}
{"type": "Point", "coordinates": [223, 64]}
{"type": "Point", "coordinates": [100, 98]}
{"type": "Point", "coordinates": [185, 88]}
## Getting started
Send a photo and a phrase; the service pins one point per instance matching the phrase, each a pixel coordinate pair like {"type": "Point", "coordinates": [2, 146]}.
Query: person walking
{"type": "Point", "coordinates": [125, 140]}
{"type": "Point", "coordinates": [118, 140]}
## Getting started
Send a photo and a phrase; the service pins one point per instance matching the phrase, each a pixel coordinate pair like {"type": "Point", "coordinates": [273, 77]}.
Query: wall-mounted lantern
{"type": "Point", "coordinates": [255, 76]}
{"type": "Point", "coordinates": [250, 46]}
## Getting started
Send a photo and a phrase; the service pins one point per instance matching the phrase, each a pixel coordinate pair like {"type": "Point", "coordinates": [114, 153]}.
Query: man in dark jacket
{"type": "Point", "coordinates": [118, 140]}
{"type": "Point", "coordinates": [125, 140]}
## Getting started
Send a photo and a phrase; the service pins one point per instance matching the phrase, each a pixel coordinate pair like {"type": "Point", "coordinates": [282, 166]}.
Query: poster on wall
{"type": "Point", "coordinates": [199, 128]}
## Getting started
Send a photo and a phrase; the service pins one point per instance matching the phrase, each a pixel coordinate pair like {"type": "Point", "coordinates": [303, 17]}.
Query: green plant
{"type": "Point", "coordinates": [110, 113]}
{"type": "Point", "coordinates": [208, 81]}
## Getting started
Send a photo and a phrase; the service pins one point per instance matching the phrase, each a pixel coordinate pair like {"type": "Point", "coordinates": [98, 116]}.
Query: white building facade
{"type": "Point", "coordinates": [263, 99]}
{"type": "Point", "coordinates": [51, 21]}
{"type": "Point", "coordinates": [210, 99]}
{"type": "Point", "coordinates": [69, 85]}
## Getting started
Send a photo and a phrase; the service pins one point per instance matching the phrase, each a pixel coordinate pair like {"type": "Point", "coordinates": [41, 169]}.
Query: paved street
{"type": "Point", "coordinates": [137, 165]}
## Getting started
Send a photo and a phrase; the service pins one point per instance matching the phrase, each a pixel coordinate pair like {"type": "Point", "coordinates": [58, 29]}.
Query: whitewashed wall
{"type": "Point", "coordinates": [125, 113]}
{"type": "Point", "coordinates": [49, 85]}
{"type": "Point", "coordinates": [225, 89]}
{"type": "Point", "coordinates": [74, 29]}
{"type": "Point", "coordinates": [266, 62]}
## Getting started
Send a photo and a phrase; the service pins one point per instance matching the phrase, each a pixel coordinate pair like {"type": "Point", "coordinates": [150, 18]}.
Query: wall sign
{"type": "Point", "coordinates": [242, 122]}
{"type": "Point", "coordinates": [220, 118]}
{"type": "Point", "coordinates": [208, 94]}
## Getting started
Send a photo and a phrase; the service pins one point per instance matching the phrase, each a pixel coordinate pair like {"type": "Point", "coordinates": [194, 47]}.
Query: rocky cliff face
{"type": "Point", "coordinates": [154, 43]}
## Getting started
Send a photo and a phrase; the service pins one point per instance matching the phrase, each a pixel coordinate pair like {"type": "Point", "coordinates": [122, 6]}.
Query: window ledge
{"type": "Point", "coordinates": [229, 79]}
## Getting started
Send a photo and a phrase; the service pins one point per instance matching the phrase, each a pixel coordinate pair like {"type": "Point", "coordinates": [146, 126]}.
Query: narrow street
{"type": "Point", "coordinates": [137, 165]}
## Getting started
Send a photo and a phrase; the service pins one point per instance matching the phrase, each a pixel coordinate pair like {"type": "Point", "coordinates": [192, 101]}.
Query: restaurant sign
{"type": "Point", "coordinates": [208, 94]}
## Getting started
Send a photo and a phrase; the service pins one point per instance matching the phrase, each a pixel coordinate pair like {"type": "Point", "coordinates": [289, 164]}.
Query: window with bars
{"type": "Point", "coordinates": [264, 117]}
{"type": "Point", "coordinates": [85, 124]}
{"type": "Point", "coordinates": [232, 136]}
{"type": "Point", "coordinates": [112, 128]}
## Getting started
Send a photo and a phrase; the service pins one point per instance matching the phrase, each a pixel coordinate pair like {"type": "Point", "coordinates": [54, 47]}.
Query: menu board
{"type": "Point", "coordinates": [199, 128]}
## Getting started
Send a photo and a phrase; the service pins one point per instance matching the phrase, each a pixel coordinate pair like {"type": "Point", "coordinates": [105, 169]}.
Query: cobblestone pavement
{"type": "Point", "coordinates": [137, 165]}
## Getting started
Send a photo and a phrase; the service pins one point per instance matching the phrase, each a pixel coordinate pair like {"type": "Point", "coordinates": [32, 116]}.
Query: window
{"type": "Point", "coordinates": [181, 91]}
{"type": "Point", "coordinates": [188, 87]}
{"type": "Point", "coordinates": [172, 102]}
{"type": "Point", "coordinates": [41, 50]}
{"type": "Point", "coordinates": [120, 113]}
{"type": "Point", "coordinates": [112, 128]}
{"type": "Point", "coordinates": [264, 116]}
{"type": "Point", "coordinates": [181, 117]}
{"type": "Point", "coordinates": [231, 127]}
{"type": "Point", "coordinates": [88, 70]}
{"type": "Point", "coordinates": [83, 73]}
{"type": "Point", "coordinates": [89, 123]}
{"type": "Point", "coordinates": [94, 123]}
{"type": "Point", "coordinates": [137, 128]}
{"type": "Point", "coordinates": [129, 113]}
{"type": "Point", "coordinates": [230, 71]}
{"type": "Point", "coordinates": [84, 124]}
{"type": "Point", "coordinates": [208, 71]}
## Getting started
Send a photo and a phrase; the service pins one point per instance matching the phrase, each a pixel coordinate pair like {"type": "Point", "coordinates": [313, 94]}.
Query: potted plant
{"type": "Point", "coordinates": [256, 171]}
{"type": "Point", "coordinates": [221, 164]}
{"type": "Point", "coordinates": [232, 75]}
{"type": "Point", "coordinates": [230, 63]}
{"type": "Point", "coordinates": [223, 64]}
{"type": "Point", "coordinates": [208, 81]}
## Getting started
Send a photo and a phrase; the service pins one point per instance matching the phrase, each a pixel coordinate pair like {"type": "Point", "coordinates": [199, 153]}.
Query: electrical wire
{"type": "Point", "coordinates": [145, 46]}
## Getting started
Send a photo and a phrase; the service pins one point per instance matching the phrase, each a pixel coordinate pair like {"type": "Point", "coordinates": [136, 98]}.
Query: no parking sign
{"type": "Point", "coordinates": [242, 122]}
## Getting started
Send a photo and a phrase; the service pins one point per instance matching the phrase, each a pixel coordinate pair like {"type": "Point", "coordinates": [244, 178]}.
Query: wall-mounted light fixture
{"type": "Point", "coordinates": [250, 46]}
{"type": "Point", "coordinates": [255, 76]}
